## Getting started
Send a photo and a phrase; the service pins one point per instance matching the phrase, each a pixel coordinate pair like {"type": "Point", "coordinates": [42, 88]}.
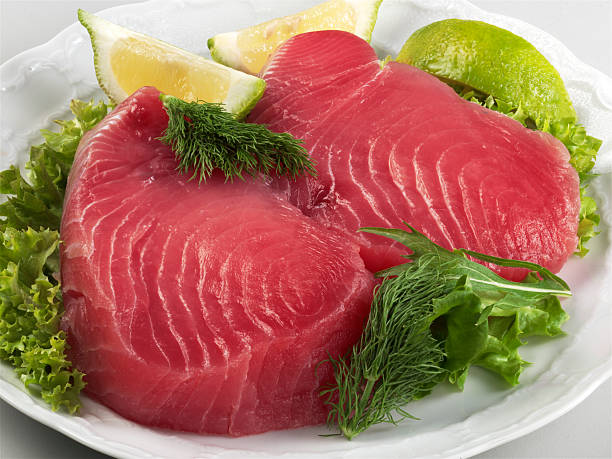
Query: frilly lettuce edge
{"type": "Point", "coordinates": [31, 305]}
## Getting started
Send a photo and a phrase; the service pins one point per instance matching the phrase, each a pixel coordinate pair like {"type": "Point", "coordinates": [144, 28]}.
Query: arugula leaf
{"type": "Point", "coordinates": [30, 311]}
{"type": "Point", "coordinates": [440, 301]}
{"type": "Point", "coordinates": [582, 148]}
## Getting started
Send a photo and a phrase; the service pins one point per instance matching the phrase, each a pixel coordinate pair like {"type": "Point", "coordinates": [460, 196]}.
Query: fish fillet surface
{"type": "Point", "coordinates": [395, 144]}
{"type": "Point", "coordinates": [199, 308]}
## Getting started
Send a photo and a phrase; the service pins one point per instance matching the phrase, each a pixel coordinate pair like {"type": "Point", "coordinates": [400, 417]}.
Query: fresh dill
{"type": "Point", "coordinates": [205, 137]}
{"type": "Point", "coordinates": [397, 359]}
{"type": "Point", "coordinates": [431, 320]}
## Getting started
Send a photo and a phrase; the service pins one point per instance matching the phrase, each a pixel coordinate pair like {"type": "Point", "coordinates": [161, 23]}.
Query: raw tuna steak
{"type": "Point", "coordinates": [394, 144]}
{"type": "Point", "coordinates": [199, 308]}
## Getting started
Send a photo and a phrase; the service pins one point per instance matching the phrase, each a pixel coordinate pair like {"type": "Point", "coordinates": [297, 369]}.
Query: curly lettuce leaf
{"type": "Point", "coordinates": [36, 201]}
{"type": "Point", "coordinates": [30, 297]}
{"type": "Point", "coordinates": [30, 311]}
{"type": "Point", "coordinates": [589, 219]}
{"type": "Point", "coordinates": [582, 148]}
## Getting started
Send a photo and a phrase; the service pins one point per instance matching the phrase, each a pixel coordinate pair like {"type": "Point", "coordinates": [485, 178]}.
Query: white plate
{"type": "Point", "coordinates": [36, 87]}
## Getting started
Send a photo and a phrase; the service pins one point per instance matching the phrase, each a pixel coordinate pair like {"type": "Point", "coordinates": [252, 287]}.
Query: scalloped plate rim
{"type": "Point", "coordinates": [588, 383]}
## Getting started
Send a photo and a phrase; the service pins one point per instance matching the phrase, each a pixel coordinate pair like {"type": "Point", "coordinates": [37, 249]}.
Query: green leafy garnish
{"type": "Point", "coordinates": [397, 359]}
{"type": "Point", "coordinates": [38, 200]}
{"type": "Point", "coordinates": [582, 148]}
{"type": "Point", "coordinates": [30, 296]}
{"type": "Point", "coordinates": [431, 320]}
{"type": "Point", "coordinates": [30, 311]}
{"type": "Point", "coordinates": [589, 219]}
{"type": "Point", "coordinates": [205, 137]}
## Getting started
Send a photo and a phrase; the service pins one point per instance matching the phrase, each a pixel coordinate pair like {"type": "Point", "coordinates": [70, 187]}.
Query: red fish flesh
{"type": "Point", "coordinates": [395, 144]}
{"type": "Point", "coordinates": [199, 308]}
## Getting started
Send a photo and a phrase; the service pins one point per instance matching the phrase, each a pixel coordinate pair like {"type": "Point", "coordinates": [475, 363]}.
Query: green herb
{"type": "Point", "coordinates": [205, 137]}
{"type": "Point", "coordinates": [397, 359]}
{"type": "Point", "coordinates": [432, 319]}
{"type": "Point", "coordinates": [30, 297]}
{"type": "Point", "coordinates": [582, 148]}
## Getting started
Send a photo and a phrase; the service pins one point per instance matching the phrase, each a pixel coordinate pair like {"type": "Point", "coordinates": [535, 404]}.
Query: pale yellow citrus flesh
{"type": "Point", "coordinates": [134, 61]}
{"type": "Point", "coordinates": [259, 42]}
{"type": "Point", "coordinates": [126, 60]}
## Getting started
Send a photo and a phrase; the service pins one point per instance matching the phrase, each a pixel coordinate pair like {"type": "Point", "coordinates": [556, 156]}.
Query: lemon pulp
{"type": "Point", "coordinates": [259, 42]}
{"type": "Point", "coordinates": [249, 49]}
{"type": "Point", "coordinates": [126, 60]}
{"type": "Point", "coordinates": [132, 58]}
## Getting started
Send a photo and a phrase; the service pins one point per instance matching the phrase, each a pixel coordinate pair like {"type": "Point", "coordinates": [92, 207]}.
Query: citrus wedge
{"type": "Point", "coordinates": [249, 49]}
{"type": "Point", "coordinates": [126, 60]}
{"type": "Point", "coordinates": [493, 61]}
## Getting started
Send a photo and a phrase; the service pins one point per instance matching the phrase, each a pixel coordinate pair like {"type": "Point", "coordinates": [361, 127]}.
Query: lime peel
{"type": "Point", "coordinates": [493, 61]}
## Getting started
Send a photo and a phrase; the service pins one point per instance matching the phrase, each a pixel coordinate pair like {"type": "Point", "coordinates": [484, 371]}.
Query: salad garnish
{"type": "Point", "coordinates": [431, 320]}
{"type": "Point", "coordinates": [31, 304]}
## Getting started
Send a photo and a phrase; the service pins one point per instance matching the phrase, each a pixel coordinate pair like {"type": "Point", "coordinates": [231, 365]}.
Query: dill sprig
{"type": "Point", "coordinates": [397, 359]}
{"type": "Point", "coordinates": [205, 137]}
{"type": "Point", "coordinates": [431, 320]}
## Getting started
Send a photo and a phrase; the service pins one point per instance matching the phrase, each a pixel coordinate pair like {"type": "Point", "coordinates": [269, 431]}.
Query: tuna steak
{"type": "Point", "coordinates": [394, 144]}
{"type": "Point", "coordinates": [199, 308]}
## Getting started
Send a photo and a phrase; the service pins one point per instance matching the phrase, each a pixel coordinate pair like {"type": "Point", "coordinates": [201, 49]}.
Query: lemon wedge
{"type": "Point", "coordinates": [126, 60]}
{"type": "Point", "coordinates": [249, 49]}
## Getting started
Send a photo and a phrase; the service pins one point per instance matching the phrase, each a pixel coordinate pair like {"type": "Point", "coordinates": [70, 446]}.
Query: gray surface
{"type": "Point", "coordinates": [585, 27]}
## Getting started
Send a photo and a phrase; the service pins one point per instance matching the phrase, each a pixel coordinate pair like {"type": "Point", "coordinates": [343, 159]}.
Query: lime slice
{"type": "Point", "coordinates": [125, 61]}
{"type": "Point", "coordinates": [249, 49]}
{"type": "Point", "coordinates": [493, 61]}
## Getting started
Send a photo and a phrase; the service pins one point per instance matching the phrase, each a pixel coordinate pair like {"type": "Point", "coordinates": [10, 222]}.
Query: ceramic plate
{"type": "Point", "coordinates": [36, 88]}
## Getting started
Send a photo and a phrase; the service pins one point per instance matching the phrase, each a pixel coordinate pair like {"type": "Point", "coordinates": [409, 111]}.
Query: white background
{"type": "Point", "coordinates": [584, 26]}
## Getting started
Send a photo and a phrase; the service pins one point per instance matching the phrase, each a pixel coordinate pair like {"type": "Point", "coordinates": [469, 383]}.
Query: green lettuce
{"type": "Point", "coordinates": [31, 304]}
{"type": "Point", "coordinates": [482, 318]}
{"type": "Point", "coordinates": [37, 201]}
{"type": "Point", "coordinates": [30, 311]}
{"type": "Point", "coordinates": [489, 337]}
{"type": "Point", "coordinates": [589, 219]}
